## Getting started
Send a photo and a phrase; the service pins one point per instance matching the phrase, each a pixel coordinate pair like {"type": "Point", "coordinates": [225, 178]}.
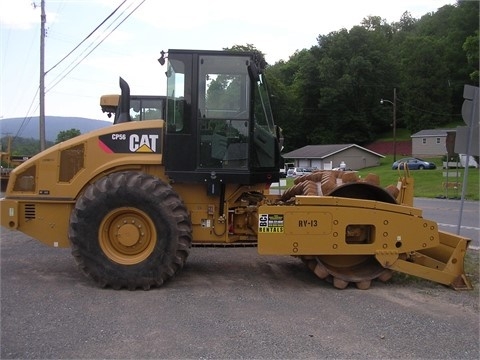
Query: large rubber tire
{"type": "Point", "coordinates": [130, 230]}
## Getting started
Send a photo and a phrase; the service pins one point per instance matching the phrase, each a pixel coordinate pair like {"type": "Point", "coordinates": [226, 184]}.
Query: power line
{"type": "Point", "coordinates": [85, 39]}
{"type": "Point", "coordinates": [425, 111]}
{"type": "Point", "coordinates": [27, 118]}
{"type": "Point", "coordinates": [102, 40]}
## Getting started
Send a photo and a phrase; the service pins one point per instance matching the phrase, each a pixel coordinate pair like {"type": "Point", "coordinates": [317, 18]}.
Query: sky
{"type": "Point", "coordinates": [73, 86]}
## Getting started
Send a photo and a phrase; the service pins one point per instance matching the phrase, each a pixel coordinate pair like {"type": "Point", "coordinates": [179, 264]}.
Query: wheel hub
{"type": "Point", "coordinates": [127, 236]}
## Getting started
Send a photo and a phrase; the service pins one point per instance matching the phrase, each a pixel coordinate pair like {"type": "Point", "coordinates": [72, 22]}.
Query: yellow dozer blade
{"type": "Point", "coordinates": [442, 263]}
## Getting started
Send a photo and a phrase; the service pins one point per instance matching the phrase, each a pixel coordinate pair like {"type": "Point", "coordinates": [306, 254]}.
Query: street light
{"type": "Point", "coordinates": [394, 103]}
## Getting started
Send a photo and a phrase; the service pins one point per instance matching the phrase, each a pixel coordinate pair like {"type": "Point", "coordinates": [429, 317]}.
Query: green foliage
{"type": "Point", "coordinates": [22, 146]}
{"type": "Point", "coordinates": [471, 49]}
{"type": "Point", "coordinates": [29, 147]}
{"type": "Point", "coordinates": [249, 48]}
{"type": "Point", "coordinates": [67, 134]}
{"type": "Point", "coordinates": [331, 92]}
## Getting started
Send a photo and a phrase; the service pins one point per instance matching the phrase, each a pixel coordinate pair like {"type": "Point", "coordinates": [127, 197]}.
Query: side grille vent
{"type": "Point", "coordinates": [71, 162]}
{"type": "Point", "coordinates": [29, 211]}
{"type": "Point", "coordinates": [26, 180]}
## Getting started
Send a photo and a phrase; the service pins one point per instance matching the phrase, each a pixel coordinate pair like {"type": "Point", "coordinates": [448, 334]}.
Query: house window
{"type": "Point", "coordinates": [438, 140]}
{"type": "Point", "coordinates": [424, 141]}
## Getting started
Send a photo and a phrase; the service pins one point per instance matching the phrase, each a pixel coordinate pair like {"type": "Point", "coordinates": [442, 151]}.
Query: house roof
{"type": "Point", "coordinates": [323, 151]}
{"type": "Point", "coordinates": [432, 132]}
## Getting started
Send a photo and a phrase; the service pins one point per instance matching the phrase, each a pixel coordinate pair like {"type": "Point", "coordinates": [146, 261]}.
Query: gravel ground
{"type": "Point", "coordinates": [227, 303]}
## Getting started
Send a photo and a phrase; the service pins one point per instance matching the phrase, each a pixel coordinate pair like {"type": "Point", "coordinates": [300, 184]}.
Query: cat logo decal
{"type": "Point", "coordinates": [134, 141]}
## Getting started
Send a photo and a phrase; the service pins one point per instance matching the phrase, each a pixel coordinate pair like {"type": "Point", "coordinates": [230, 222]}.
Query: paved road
{"type": "Point", "coordinates": [448, 215]}
{"type": "Point", "coordinates": [225, 304]}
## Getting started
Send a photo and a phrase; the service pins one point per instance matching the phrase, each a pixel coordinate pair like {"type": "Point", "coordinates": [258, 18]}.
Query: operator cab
{"type": "Point", "coordinates": [140, 107]}
{"type": "Point", "coordinates": [220, 127]}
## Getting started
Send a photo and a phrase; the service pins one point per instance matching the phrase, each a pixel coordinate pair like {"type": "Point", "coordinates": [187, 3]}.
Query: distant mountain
{"type": "Point", "coordinates": [53, 125]}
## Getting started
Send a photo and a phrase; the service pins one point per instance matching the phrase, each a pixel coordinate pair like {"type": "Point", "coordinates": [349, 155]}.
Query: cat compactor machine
{"type": "Point", "coordinates": [131, 199]}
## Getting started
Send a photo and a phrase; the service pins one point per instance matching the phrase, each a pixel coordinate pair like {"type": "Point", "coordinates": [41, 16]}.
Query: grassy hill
{"type": "Point", "coordinates": [429, 183]}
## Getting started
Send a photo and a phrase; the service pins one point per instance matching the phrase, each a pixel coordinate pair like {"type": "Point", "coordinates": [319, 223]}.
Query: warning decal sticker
{"type": "Point", "coordinates": [270, 223]}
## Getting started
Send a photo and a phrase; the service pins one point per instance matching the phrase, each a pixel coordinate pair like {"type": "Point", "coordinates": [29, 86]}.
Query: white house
{"type": "Point", "coordinates": [430, 143]}
{"type": "Point", "coordinates": [331, 156]}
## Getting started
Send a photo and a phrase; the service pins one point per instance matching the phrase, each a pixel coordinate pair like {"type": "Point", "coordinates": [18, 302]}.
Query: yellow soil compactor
{"type": "Point", "coordinates": [132, 199]}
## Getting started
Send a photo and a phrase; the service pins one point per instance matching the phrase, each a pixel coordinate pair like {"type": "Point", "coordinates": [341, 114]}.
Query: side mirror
{"type": "Point", "coordinates": [161, 59]}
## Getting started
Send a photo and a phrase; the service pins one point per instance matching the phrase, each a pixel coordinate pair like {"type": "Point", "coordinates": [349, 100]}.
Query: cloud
{"type": "Point", "coordinates": [274, 27]}
{"type": "Point", "coordinates": [23, 15]}
{"type": "Point", "coordinates": [19, 14]}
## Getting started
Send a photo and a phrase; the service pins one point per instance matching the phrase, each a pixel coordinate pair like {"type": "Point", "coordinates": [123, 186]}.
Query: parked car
{"type": "Point", "coordinates": [290, 172]}
{"type": "Point", "coordinates": [299, 171]}
{"type": "Point", "coordinates": [413, 164]}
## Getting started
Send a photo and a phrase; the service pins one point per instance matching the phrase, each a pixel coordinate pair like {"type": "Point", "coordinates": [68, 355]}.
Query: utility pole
{"type": "Point", "coordinates": [394, 124]}
{"type": "Point", "coordinates": [43, 19]}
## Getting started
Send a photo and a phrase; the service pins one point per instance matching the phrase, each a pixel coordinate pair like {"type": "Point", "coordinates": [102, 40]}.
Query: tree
{"type": "Point", "coordinates": [425, 88]}
{"type": "Point", "coordinates": [331, 92]}
{"type": "Point", "coordinates": [67, 134]}
{"type": "Point", "coordinates": [433, 65]}
{"type": "Point", "coordinates": [249, 48]}
{"type": "Point", "coordinates": [470, 46]}
{"type": "Point", "coordinates": [406, 23]}
{"type": "Point", "coordinates": [22, 146]}
{"type": "Point", "coordinates": [284, 106]}
{"type": "Point", "coordinates": [354, 70]}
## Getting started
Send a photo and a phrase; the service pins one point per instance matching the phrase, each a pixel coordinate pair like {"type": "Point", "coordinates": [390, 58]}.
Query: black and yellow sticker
{"type": "Point", "coordinates": [271, 223]}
